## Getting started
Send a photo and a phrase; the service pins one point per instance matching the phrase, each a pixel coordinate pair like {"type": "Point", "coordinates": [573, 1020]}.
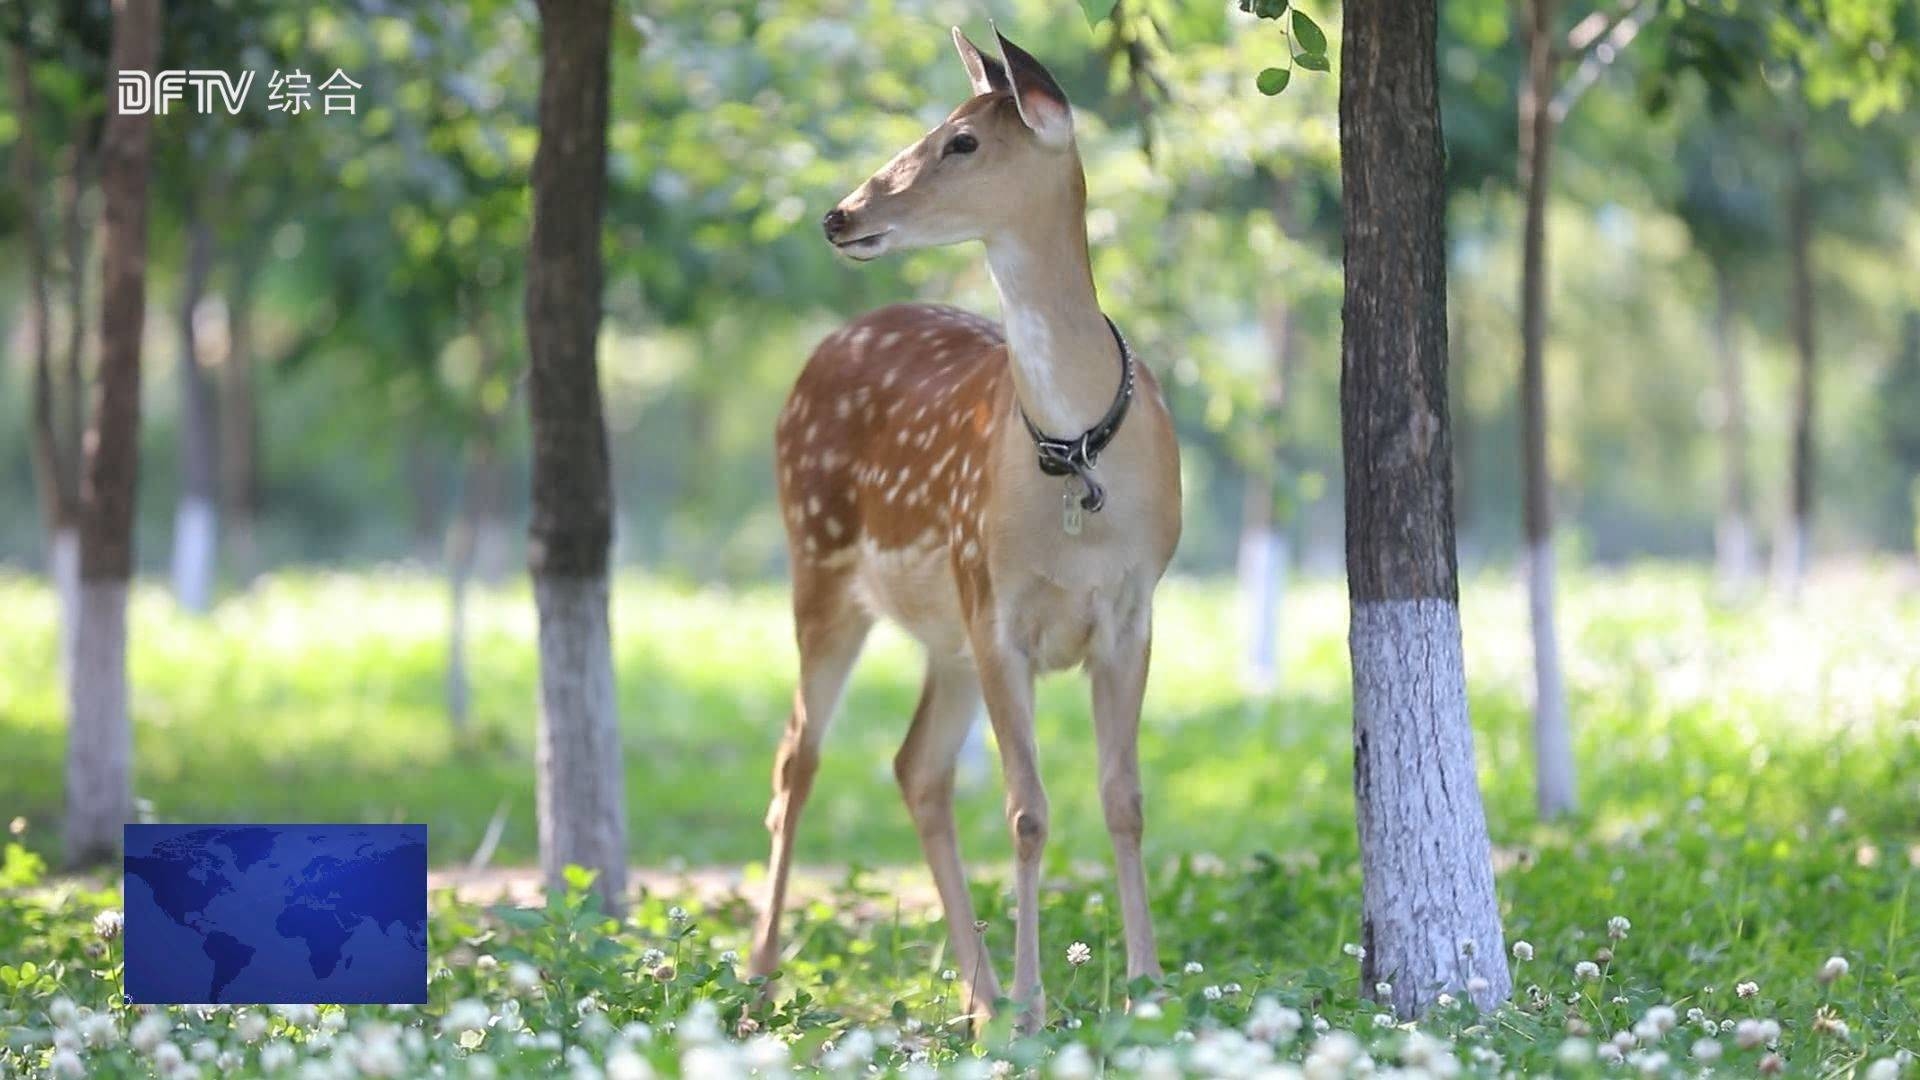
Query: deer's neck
{"type": "Point", "coordinates": [1066, 365]}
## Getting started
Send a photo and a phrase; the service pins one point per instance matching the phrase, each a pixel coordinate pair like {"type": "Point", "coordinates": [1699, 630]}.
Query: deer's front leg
{"type": "Point", "coordinates": [1006, 681]}
{"type": "Point", "coordinates": [1119, 683]}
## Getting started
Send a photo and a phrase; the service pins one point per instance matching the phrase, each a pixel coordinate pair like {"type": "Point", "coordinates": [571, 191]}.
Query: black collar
{"type": "Point", "coordinates": [1059, 457]}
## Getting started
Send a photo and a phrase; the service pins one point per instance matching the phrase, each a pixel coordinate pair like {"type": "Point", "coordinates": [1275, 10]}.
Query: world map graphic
{"type": "Point", "coordinates": [285, 914]}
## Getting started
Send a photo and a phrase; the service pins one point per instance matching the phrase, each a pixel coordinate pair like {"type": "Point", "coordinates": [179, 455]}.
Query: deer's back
{"type": "Point", "coordinates": [883, 440]}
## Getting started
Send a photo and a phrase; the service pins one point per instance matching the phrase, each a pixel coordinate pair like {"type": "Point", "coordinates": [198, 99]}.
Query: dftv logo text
{"type": "Point", "coordinates": [139, 92]}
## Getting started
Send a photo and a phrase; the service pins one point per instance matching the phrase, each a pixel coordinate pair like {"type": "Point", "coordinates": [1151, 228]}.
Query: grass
{"type": "Point", "coordinates": [1751, 803]}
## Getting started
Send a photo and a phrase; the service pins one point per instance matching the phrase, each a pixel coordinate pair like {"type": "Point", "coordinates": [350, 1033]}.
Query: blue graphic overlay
{"type": "Point", "coordinates": [276, 914]}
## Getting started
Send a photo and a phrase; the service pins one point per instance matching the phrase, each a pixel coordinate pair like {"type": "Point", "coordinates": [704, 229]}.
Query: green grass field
{"type": "Point", "coordinates": [1750, 778]}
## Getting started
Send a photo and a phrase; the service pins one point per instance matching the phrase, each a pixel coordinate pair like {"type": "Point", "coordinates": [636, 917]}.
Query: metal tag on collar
{"type": "Point", "coordinates": [1073, 516]}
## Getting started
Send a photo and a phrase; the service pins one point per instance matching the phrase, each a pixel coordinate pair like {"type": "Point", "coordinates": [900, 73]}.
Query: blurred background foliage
{"type": "Point", "coordinates": [369, 265]}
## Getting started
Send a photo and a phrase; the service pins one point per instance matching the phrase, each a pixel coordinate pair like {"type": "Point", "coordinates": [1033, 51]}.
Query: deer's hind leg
{"type": "Point", "coordinates": [949, 706]}
{"type": "Point", "coordinates": [830, 627]}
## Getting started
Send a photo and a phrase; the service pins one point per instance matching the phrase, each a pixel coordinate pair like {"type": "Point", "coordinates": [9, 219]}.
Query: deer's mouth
{"type": "Point", "coordinates": [864, 247]}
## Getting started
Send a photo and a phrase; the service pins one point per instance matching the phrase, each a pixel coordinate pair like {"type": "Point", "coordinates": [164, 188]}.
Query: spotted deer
{"type": "Point", "coordinates": [1010, 498]}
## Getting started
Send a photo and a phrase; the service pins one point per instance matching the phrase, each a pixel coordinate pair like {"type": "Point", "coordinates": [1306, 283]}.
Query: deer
{"type": "Point", "coordinates": [1011, 498]}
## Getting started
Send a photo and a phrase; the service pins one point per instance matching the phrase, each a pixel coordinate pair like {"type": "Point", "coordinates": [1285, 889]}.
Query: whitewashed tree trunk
{"type": "Point", "coordinates": [63, 565]}
{"type": "Point", "coordinates": [1263, 585]}
{"type": "Point", "coordinates": [1430, 920]}
{"type": "Point", "coordinates": [1733, 537]}
{"type": "Point", "coordinates": [581, 793]}
{"type": "Point", "coordinates": [1554, 788]}
{"type": "Point", "coordinates": [196, 549]}
{"type": "Point", "coordinates": [100, 738]}
{"type": "Point", "coordinates": [1423, 835]}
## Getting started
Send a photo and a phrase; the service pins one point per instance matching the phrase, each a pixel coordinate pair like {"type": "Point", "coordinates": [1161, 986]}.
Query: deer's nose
{"type": "Point", "coordinates": [835, 222]}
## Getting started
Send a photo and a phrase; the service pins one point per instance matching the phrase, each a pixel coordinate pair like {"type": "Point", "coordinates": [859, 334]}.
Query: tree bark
{"type": "Point", "coordinates": [1733, 539]}
{"type": "Point", "coordinates": [1426, 863]}
{"type": "Point", "coordinates": [1552, 743]}
{"type": "Point", "coordinates": [100, 741]}
{"type": "Point", "coordinates": [238, 456]}
{"type": "Point", "coordinates": [581, 796]}
{"type": "Point", "coordinates": [196, 518]}
{"type": "Point", "coordinates": [1264, 555]}
{"type": "Point", "coordinates": [1790, 551]}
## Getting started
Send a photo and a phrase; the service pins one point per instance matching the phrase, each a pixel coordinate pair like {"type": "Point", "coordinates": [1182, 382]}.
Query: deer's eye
{"type": "Point", "coordinates": [963, 143]}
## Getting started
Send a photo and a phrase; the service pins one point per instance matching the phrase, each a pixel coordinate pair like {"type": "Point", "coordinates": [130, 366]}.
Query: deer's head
{"type": "Point", "coordinates": [1004, 155]}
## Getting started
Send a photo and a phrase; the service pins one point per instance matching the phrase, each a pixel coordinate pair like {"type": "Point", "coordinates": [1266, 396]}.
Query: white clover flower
{"type": "Point", "coordinates": [1523, 951]}
{"type": "Point", "coordinates": [204, 1050]}
{"type": "Point", "coordinates": [707, 1061]}
{"type": "Point", "coordinates": [1746, 989]}
{"type": "Point", "coordinates": [652, 958]}
{"type": "Point", "coordinates": [1477, 985]}
{"type": "Point", "coordinates": [523, 978]}
{"type": "Point", "coordinates": [1609, 1054]}
{"type": "Point", "coordinates": [1356, 951]}
{"type": "Point", "coordinates": [250, 1026]}
{"type": "Point", "coordinates": [948, 974]}
{"type": "Point", "coordinates": [167, 1057]}
{"type": "Point", "coordinates": [62, 1011]}
{"type": "Point", "coordinates": [1884, 1069]}
{"type": "Point", "coordinates": [1651, 1062]}
{"type": "Point", "coordinates": [731, 956]}
{"type": "Point", "coordinates": [1617, 927]}
{"type": "Point", "coordinates": [1231, 988]}
{"type": "Point", "coordinates": [151, 1030]}
{"type": "Point", "coordinates": [1073, 1062]}
{"type": "Point", "coordinates": [1193, 967]}
{"type": "Point", "coordinates": [1147, 1010]}
{"type": "Point", "coordinates": [1383, 989]}
{"type": "Point", "coordinates": [467, 1014]}
{"type": "Point", "coordinates": [1573, 1053]}
{"type": "Point", "coordinates": [275, 1056]}
{"type": "Point", "coordinates": [676, 914]}
{"type": "Point", "coordinates": [1212, 993]}
{"type": "Point", "coordinates": [100, 1029]}
{"type": "Point", "coordinates": [701, 1025]}
{"type": "Point", "coordinates": [1272, 1022]}
{"type": "Point", "coordinates": [1586, 971]}
{"type": "Point", "coordinates": [765, 1055]}
{"type": "Point", "coordinates": [1834, 969]}
{"type": "Point", "coordinates": [68, 1063]}
{"type": "Point", "coordinates": [1749, 1033]}
{"type": "Point", "coordinates": [1662, 1018]}
{"type": "Point", "coordinates": [1772, 1065]}
{"type": "Point", "coordinates": [1626, 1040]}
{"type": "Point", "coordinates": [1707, 1051]}
{"type": "Point", "coordinates": [1078, 953]}
{"type": "Point", "coordinates": [109, 923]}
{"type": "Point", "coordinates": [481, 1068]}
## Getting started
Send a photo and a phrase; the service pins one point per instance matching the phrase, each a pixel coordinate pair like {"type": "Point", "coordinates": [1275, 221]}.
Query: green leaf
{"type": "Point", "coordinates": [1270, 9]}
{"type": "Point", "coordinates": [1272, 80]}
{"type": "Point", "coordinates": [1311, 61]}
{"type": "Point", "coordinates": [1308, 35]}
{"type": "Point", "coordinates": [1096, 10]}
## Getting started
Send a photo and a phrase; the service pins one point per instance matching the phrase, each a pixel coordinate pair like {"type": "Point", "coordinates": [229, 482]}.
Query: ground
{"type": "Point", "coordinates": [1750, 810]}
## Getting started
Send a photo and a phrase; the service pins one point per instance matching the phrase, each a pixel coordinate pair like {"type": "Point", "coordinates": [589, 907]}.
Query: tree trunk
{"type": "Point", "coordinates": [478, 510]}
{"type": "Point", "coordinates": [52, 473]}
{"type": "Point", "coordinates": [1264, 555]}
{"type": "Point", "coordinates": [582, 802]}
{"type": "Point", "coordinates": [1552, 743]}
{"type": "Point", "coordinates": [196, 520]}
{"type": "Point", "coordinates": [1790, 552]}
{"type": "Point", "coordinates": [1733, 540]}
{"type": "Point", "coordinates": [238, 456]}
{"type": "Point", "coordinates": [100, 740]}
{"type": "Point", "coordinates": [70, 430]}
{"type": "Point", "coordinates": [1425, 860]}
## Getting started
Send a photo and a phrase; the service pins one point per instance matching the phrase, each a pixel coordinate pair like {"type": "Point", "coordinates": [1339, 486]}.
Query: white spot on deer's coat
{"type": "Point", "coordinates": [890, 339]}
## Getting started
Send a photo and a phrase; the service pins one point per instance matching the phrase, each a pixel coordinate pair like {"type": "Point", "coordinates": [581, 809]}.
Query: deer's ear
{"type": "Point", "coordinates": [986, 74]}
{"type": "Point", "coordinates": [1043, 105]}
